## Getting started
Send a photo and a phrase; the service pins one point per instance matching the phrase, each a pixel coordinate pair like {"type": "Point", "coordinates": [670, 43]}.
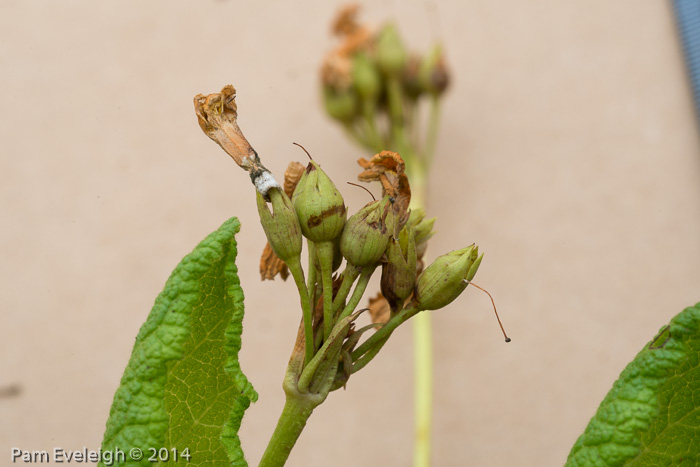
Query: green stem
{"type": "Point", "coordinates": [384, 332]}
{"type": "Point", "coordinates": [422, 344]}
{"type": "Point", "coordinates": [324, 251]}
{"type": "Point", "coordinates": [349, 275]}
{"type": "Point", "coordinates": [400, 141]}
{"type": "Point", "coordinates": [360, 288]}
{"type": "Point", "coordinates": [297, 410]}
{"type": "Point", "coordinates": [395, 96]}
{"type": "Point", "coordinates": [423, 384]}
{"type": "Point", "coordinates": [361, 362]}
{"type": "Point", "coordinates": [311, 284]}
{"type": "Point", "coordinates": [298, 275]}
{"type": "Point", "coordinates": [369, 113]}
{"type": "Point", "coordinates": [367, 357]}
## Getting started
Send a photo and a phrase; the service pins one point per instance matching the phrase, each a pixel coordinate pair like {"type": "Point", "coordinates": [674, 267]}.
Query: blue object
{"type": "Point", "coordinates": [688, 18]}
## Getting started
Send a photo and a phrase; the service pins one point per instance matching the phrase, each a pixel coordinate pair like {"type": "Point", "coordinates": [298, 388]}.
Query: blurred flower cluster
{"type": "Point", "coordinates": [373, 87]}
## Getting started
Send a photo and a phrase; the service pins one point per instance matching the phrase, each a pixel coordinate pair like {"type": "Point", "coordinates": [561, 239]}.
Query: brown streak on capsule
{"type": "Point", "coordinates": [316, 220]}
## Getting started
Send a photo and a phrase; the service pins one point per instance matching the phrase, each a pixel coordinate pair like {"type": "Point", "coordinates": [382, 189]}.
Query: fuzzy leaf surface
{"type": "Point", "coordinates": [651, 416]}
{"type": "Point", "coordinates": [183, 387]}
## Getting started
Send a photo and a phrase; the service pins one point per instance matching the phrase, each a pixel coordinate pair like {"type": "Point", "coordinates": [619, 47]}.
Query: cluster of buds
{"type": "Point", "coordinates": [369, 79]}
{"type": "Point", "coordinates": [384, 235]}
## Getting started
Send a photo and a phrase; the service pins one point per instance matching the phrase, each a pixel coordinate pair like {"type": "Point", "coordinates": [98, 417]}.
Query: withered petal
{"type": "Point", "coordinates": [292, 176]}
{"type": "Point", "coordinates": [379, 309]}
{"type": "Point", "coordinates": [217, 115]}
{"type": "Point", "coordinates": [384, 161]}
{"type": "Point", "coordinates": [388, 168]}
{"type": "Point", "coordinates": [362, 39]}
{"type": "Point", "coordinates": [271, 265]}
{"type": "Point", "coordinates": [336, 70]}
{"type": "Point", "coordinates": [346, 19]}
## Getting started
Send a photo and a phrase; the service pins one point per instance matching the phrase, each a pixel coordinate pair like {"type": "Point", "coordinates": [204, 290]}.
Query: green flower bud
{"type": "Point", "coordinates": [415, 216]}
{"type": "Point", "coordinates": [391, 54]}
{"type": "Point", "coordinates": [399, 272]}
{"type": "Point", "coordinates": [365, 77]}
{"type": "Point", "coordinates": [341, 105]}
{"type": "Point", "coordinates": [443, 281]}
{"type": "Point", "coordinates": [281, 226]}
{"type": "Point", "coordinates": [422, 228]}
{"type": "Point", "coordinates": [434, 76]}
{"type": "Point", "coordinates": [319, 205]}
{"type": "Point", "coordinates": [366, 233]}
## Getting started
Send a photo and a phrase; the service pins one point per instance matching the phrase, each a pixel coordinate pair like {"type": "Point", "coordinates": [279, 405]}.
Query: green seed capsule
{"type": "Point", "coordinates": [319, 205]}
{"type": "Point", "coordinates": [366, 233]}
{"type": "Point", "coordinates": [281, 226]}
{"type": "Point", "coordinates": [443, 281]}
{"type": "Point", "coordinates": [399, 272]}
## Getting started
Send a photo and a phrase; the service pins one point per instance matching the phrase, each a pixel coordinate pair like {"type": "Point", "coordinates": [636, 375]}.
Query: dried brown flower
{"type": "Point", "coordinates": [292, 176]}
{"type": "Point", "coordinates": [336, 68]}
{"type": "Point", "coordinates": [388, 168]}
{"type": "Point", "coordinates": [346, 20]}
{"type": "Point", "coordinates": [217, 115]}
{"type": "Point", "coordinates": [379, 309]}
{"type": "Point", "coordinates": [336, 71]}
{"type": "Point", "coordinates": [271, 265]}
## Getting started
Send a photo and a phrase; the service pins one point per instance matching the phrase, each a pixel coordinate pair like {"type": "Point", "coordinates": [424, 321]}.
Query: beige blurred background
{"type": "Point", "coordinates": [568, 151]}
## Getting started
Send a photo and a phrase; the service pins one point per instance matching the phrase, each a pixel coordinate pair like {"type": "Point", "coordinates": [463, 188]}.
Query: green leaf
{"type": "Point", "coordinates": [183, 387]}
{"type": "Point", "coordinates": [651, 416]}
